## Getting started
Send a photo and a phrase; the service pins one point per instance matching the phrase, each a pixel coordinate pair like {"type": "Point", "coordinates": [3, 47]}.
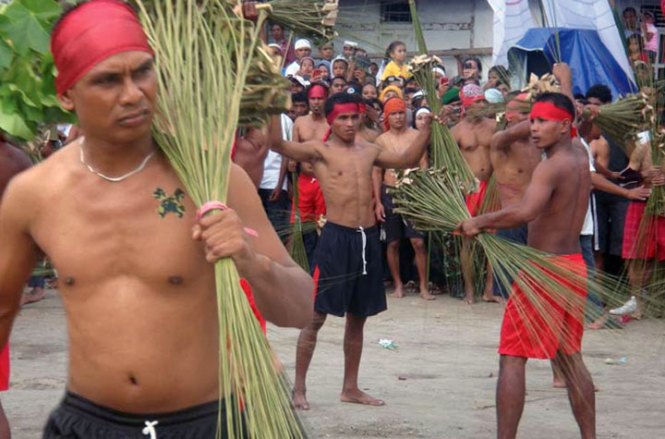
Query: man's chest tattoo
{"type": "Point", "coordinates": [170, 204]}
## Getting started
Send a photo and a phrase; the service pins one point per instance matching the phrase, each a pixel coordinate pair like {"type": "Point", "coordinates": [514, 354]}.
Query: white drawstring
{"type": "Point", "coordinates": [364, 237]}
{"type": "Point", "coordinates": [150, 429]}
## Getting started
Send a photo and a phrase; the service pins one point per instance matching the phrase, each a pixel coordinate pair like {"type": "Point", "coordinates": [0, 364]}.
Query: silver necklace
{"type": "Point", "coordinates": [138, 169]}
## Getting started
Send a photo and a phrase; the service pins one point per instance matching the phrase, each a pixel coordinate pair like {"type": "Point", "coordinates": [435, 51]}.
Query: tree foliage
{"type": "Point", "coordinates": [27, 87]}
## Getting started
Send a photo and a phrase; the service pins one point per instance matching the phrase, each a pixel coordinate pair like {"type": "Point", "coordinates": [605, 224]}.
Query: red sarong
{"type": "Point", "coordinates": [538, 328]}
{"type": "Point", "coordinates": [645, 241]}
{"type": "Point", "coordinates": [474, 201]}
{"type": "Point", "coordinates": [4, 368]}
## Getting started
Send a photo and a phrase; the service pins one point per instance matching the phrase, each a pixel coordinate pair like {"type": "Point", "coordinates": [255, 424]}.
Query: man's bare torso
{"type": "Point", "coordinates": [513, 167]}
{"type": "Point", "coordinates": [474, 140]}
{"type": "Point", "coordinates": [344, 174]}
{"type": "Point", "coordinates": [395, 141]}
{"type": "Point", "coordinates": [557, 229]}
{"type": "Point", "coordinates": [144, 337]}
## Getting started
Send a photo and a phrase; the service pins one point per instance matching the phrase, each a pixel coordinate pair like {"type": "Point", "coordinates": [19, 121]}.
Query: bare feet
{"type": "Point", "coordinates": [33, 296]}
{"type": "Point", "coordinates": [559, 383]}
{"type": "Point", "coordinates": [599, 323]}
{"type": "Point", "coordinates": [398, 293]}
{"type": "Point", "coordinates": [491, 298]}
{"type": "Point", "coordinates": [357, 396]}
{"type": "Point", "coordinates": [299, 400]}
{"type": "Point", "coordinates": [426, 295]}
{"type": "Point", "coordinates": [468, 298]}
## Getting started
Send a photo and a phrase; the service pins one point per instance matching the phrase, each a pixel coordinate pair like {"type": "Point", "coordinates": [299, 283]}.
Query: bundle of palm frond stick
{"type": "Point", "coordinates": [204, 54]}
{"type": "Point", "coordinates": [297, 243]}
{"type": "Point", "coordinates": [444, 151]}
{"type": "Point", "coordinates": [625, 118]}
{"type": "Point", "coordinates": [313, 19]}
{"type": "Point", "coordinates": [427, 199]}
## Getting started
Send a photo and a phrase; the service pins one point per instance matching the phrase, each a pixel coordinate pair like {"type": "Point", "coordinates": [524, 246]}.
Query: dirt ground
{"type": "Point", "coordinates": [438, 384]}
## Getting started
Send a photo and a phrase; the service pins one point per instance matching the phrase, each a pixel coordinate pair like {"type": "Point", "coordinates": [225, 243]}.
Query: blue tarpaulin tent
{"type": "Point", "coordinates": [582, 49]}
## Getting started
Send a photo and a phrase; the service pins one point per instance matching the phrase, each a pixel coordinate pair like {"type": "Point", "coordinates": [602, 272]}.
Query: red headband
{"type": "Point", "coordinates": [549, 111]}
{"type": "Point", "coordinates": [392, 105]}
{"type": "Point", "coordinates": [317, 91]}
{"type": "Point", "coordinates": [92, 33]}
{"type": "Point", "coordinates": [338, 109]}
{"type": "Point", "coordinates": [517, 106]}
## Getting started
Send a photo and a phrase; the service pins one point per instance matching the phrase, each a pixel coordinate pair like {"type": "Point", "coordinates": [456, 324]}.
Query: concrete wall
{"type": "Point", "coordinates": [448, 24]}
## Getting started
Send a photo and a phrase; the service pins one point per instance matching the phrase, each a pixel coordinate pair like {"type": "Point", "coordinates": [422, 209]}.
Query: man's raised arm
{"type": "Point", "coordinates": [533, 202]}
{"type": "Point", "coordinates": [298, 151]}
{"type": "Point", "coordinates": [409, 157]}
{"type": "Point", "coordinates": [502, 140]}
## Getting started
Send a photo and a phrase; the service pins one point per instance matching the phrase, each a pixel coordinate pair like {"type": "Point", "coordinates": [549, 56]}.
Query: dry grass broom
{"type": "Point", "coordinates": [204, 54]}
{"type": "Point", "coordinates": [427, 198]}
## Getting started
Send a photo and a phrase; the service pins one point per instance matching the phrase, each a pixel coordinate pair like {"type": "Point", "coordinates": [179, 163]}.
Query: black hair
{"type": "Point", "coordinates": [332, 63]}
{"type": "Point", "coordinates": [637, 38]}
{"type": "Point", "coordinates": [339, 77]}
{"type": "Point", "coordinates": [392, 46]}
{"type": "Point", "coordinates": [299, 97]}
{"type": "Point", "coordinates": [372, 102]}
{"type": "Point", "coordinates": [409, 90]}
{"type": "Point", "coordinates": [340, 98]}
{"type": "Point", "coordinates": [502, 73]}
{"type": "Point", "coordinates": [476, 60]}
{"type": "Point", "coordinates": [600, 92]}
{"type": "Point", "coordinates": [629, 9]}
{"type": "Point", "coordinates": [559, 100]}
{"type": "Point", "coordinates": [371, 84]}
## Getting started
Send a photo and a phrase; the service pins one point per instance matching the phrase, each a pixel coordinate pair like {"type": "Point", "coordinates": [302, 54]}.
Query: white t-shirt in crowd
{"type": "Point", "coordinates": [587, 228]}
{"type": "Point", "coordinates": [273, 161]}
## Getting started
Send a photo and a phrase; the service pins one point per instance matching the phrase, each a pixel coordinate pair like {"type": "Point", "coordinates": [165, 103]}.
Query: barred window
{"type": "Point", "coordinates": [395, 11]}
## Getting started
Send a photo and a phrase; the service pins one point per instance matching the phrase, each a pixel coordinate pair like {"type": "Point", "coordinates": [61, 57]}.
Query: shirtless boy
{"type": "Point", "coordinates": [138, 290]}
{"type": "Point", "coordinates": [398, 136]}
{"type": "Point", "coordinates": [554, 206]}
{"type": "Point", "coordinates": [473, 134]}
{"type": "Point", "coordinates": [348, 264]}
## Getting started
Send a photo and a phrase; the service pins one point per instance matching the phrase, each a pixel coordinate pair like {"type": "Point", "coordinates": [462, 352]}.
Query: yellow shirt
{"type": "Point", "coordinates": [392, 69]}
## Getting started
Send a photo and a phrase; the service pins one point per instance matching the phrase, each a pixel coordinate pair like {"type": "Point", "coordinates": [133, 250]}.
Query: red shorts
{"type": "Point", "coordinates": [538, 327]}
{"type": "Point", "coordinates": [311, 204]}
{"type": "Point", "coordinates": [643, 236]}
{"type": "Point", "coordinates": [4, 368]}
{"type": "Point", "coordinates": [474, 201]}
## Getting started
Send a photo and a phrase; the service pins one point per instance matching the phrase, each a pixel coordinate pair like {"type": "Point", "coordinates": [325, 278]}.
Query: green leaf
{"type": "Point", "coordinates": [12, 123]}
{"type": "Point", "coordinates": [46, 11]}
{"type": "Point", "coordinates": [23, 29]}
{"type": "Point", "coordinates": [6, 54]}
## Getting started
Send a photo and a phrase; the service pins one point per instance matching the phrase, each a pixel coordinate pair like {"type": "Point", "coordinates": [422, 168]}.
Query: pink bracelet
{"type": "Point", "coordinates": [218, 205]}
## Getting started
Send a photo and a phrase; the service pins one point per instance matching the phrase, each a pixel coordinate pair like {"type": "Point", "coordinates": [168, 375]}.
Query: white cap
{"type": "Point", "coordinates": [348, 43]}
{"type": "Point", "coordinates": [302, 44]}
{"type": "Point", "coordinates": [439, 70]}
{"type": "Point", "coordinates": [299, 79]}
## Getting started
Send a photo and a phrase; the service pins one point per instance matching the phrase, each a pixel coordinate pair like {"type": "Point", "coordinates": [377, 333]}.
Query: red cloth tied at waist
{"type": "Point", "coordinates": [350, 107]}
{"type": "Point", "coordinates": [392, 106]}
{"type": "Point", "coordinates": [92, 33]}
{"type": "Point", "coordinates": [549, 111]}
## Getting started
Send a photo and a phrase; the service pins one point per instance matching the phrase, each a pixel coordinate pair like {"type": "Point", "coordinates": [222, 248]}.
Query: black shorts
{"type": "Point", "coordinates": [348, 272]}
{"type": "Point", "coordinates": [395, 225]}
{"type": "Point", "coordinates": [610, 218]}
{"type": "Point", "coordinates": [77, 417]}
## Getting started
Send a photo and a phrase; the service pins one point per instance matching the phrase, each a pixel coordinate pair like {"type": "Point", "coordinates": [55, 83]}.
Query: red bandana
{"type": "Point", "coordinates": [92, 33]}
{"type": "Point", "coordinates": [338, 109]}
{"type": "Point", "coordinates": [317, 91]}
{"type": "Point", "coordinates": [549, 111]}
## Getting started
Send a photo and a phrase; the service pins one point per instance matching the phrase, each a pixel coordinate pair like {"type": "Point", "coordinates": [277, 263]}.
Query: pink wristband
{"type": "Point", "coordinates": [218, 205]}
